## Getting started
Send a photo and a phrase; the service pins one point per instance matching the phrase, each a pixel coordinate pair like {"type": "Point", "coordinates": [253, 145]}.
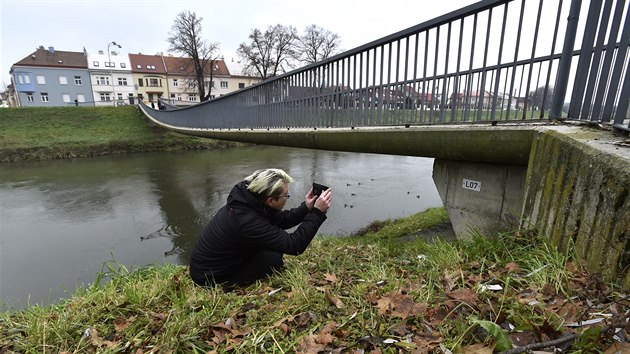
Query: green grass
{"type": "Point", "coordinates": [62, 132]}
{"type": "Point", "coordinates": [356, 294]}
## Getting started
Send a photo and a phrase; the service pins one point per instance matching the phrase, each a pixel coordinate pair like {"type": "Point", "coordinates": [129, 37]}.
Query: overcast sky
{"type": "Point", "coordinates": [143, 26]}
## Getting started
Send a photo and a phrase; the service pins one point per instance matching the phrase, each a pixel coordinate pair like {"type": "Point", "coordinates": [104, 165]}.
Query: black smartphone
{"type": "Point", "coordinates": [318, 188]}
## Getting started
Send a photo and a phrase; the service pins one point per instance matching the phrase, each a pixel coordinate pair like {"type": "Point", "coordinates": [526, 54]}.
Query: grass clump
{"type": "Point", "coordinates": [32, 133]}
{"type": "Point", "coordinates": [354, 294]}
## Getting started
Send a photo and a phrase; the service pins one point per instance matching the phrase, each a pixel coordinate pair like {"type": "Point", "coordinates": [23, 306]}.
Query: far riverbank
{"type": "Point", "coordinates": [28, 134]}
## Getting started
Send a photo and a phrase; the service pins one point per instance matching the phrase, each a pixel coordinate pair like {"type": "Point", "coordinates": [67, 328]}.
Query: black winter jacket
{"type": "Point", "coordinates": [245, 225]}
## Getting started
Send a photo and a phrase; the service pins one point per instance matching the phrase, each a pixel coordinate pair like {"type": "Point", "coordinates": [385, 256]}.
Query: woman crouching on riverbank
{"type": "Point", "coordinates": [246, 239]}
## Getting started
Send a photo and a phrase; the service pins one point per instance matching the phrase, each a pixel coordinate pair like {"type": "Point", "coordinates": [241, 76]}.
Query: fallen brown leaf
{"type": "Point", "coordinates": [479, 348]}
{"type": "Point", "coordinates": [330, 277]}
{"type": "Point", "coordinates": [464, 295]}
{"type": "Point", "coordinates": [512, 267]}
{"type": "Point", "coordinates": [333, 299]}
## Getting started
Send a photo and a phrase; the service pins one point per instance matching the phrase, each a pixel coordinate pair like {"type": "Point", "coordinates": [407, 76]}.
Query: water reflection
{"type": "Point", "coordinates": [60, 221]}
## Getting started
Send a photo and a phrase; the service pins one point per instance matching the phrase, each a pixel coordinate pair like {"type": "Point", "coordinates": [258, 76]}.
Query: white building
{"type": "Point", "coordinates": [112, 82]}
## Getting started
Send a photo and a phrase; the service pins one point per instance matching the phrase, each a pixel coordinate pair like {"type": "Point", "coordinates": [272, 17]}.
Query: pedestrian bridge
{"type": "Point", "coordinates": [524, 107]}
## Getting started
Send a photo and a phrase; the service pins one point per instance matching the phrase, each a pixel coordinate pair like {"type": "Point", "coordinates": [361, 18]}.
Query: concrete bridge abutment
{"type": "Point", "coordinates": [480, 197]}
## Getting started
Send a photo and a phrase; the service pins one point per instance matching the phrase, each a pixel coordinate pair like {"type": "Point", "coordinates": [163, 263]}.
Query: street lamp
{"type": "Point", "coordinates": [111, 73]}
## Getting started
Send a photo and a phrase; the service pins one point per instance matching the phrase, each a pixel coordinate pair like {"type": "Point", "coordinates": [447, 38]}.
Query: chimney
{"type": "Point", "coordinates": [51, 50]}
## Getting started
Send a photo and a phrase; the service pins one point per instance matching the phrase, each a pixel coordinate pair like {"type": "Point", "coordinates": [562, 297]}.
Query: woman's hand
{"type": "Point", "coordinates": [323, 202]}
{"type": "Point", "coordinates": [310, 199]}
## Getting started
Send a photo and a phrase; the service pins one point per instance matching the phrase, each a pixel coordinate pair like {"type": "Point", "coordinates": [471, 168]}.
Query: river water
{"type": "Point", "coordinates": [61, 221]}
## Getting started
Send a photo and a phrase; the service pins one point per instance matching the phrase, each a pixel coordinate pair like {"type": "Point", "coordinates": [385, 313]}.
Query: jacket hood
{"type": "Point", "coordinates": [241, 198]}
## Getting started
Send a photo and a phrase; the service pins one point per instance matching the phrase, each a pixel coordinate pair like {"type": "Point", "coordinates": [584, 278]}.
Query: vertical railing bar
{"type": "Point", "coordinates": [366, 105]}
{"type": "Point", "coordinates": [405, 90]}
{"type": "Point", "coordinates": [373, 100]}
{"type": "Point", "coordinates": [482, 84]}
{"type": "Point", "coordinates": [595, 63]}
{"type": "Point", "coordinates": [468, 94]}
{"type": "Point", "coordinates": [455, 94]}
{"type": "Point", "coordinates": [349, 99]}
{"type": "Point", "coordinates": [531, 58]}
{"type": "Point", "coordinates": [624, 99]}
{"type": "Point", "coordinates": [553, 50]}
{"type": "Point", "coordinates": [397, 110]}
{"type": "Point", "coordinates": [435, 64]}
{"type": "Point", "coordinates": [418, 98]}
{"type": "Point", "coordinates": [502, 117]}
{"type": "Point", "coordinates": [520, 91]}
{"type": "Point", "coordinates": [605, 71]}
{"type": "Point", "coordinates": [542, 110]}
{"type": "Point", "coordinates": [586, 53]}
{"type": "Point", "coordinates": [497, 82]}
{"type": "Point", "coordinates": [618, 68]}
{"type": "Point", "coordinates": [389, 83]}
{"type": "Point", "coordinates": [564, 66]}
{"type": "Point", "coordinates": [329, 80]}
{"type": "Point", "coordinates": [516, 49]}
{"type": "Point", "coordinates": [354, 91]}
{"type": "Point", "coordinates": [444, 84]}
{"type": "Point", "coordinates": [424, 83]}
{"type": "Point", "coordinates": [360, 95]}
{"type": "Point", "coordinates": [380, 90]}
{"type": "Point", "coordinates": [343, 94]}
{"type": "Point", "coordinates": [337, 93]}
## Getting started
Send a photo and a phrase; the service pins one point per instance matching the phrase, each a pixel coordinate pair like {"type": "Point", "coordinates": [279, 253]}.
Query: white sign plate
{"type": "Point", "coordinates": [472, 185]}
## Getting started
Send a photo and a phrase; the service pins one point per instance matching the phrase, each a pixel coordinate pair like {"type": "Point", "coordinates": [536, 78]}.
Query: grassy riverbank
{"type": "Point", "coordinates": [355, 294]}
{"type": "Point", "coordinates": [68, 132]}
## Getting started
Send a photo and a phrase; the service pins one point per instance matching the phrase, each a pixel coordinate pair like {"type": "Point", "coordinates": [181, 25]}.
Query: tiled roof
{"type": "Point", "coordinates": [147, 64]}
{"type": "Point", "coordinates": [184, 66]}
{"type": "Point", "coordinates": [54, 58]}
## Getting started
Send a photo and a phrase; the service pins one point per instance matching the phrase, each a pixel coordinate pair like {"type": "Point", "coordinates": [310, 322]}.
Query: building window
{"type": "Point", "coordinates": [224, 84]}
{"type": "Point", "coordinates": [140, 82]}
{"type": "Point", "coordinates": [95, 63]}
{"type": "Point", "coordinates": [45, 97]}
{"type": "Point", "coordinates": [175, 83]}
{"type": "Point", "coordinates": [120, 96]}
{"type": "Point", "coordinates": [154, 83]}
{"type": "Point", "coordinates": [80, 97]}
{"type": "Point", "coordinates": [241, 85]}
{"type": "Point", "coordinates": [63, 80]}
{"type": "Point", "coordinates": [102, 80]}
{"type": "Point", "coordinates": [41, 80]}
{"type": "Point", "coordinates": [66, 98]}
{"type": "Point", "coordinates": [122, 81]}
{"type": "Point", "coordinates": [29, 97]}
{"type": "Point", "coordinates": [212, 97]}
{"type": "Point", "coordinates": [123, 65]}
{"type": "Point", "coordinates": [192, 98]}
{"type": "Point", "coordinates": [78, 81]}
{"type": "Point", "coordinates": [139, 66]}
{"type": "Point", "coordinates": [179, 97]}
{"type": "Point", "coordinates": [105, 96]}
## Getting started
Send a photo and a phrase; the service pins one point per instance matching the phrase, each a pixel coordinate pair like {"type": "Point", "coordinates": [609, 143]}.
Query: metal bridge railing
{"type": "Point", "coordinates": [493, 61]}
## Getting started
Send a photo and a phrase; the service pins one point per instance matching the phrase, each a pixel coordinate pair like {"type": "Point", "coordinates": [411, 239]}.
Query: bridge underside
{"type": "Point", "coordinates": [499, 145]}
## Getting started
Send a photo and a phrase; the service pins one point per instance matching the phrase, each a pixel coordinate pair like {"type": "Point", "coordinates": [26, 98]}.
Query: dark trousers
{"type": "Point", "coordinates": [260, 265]}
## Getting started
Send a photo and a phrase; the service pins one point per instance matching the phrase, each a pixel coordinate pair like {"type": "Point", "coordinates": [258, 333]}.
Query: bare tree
{"type": "Point", "coordinates": [317, 44]}
{"type": "Point", "coordinates": [541, 98]}
{"type": "Point", "coordinates": [185, 38]}
{"type": "Point", "coordinates": [268, 54]}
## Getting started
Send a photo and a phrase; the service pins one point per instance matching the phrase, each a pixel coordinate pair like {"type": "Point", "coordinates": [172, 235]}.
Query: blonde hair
{"type": "Point", "coordinates": [267, 182]}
